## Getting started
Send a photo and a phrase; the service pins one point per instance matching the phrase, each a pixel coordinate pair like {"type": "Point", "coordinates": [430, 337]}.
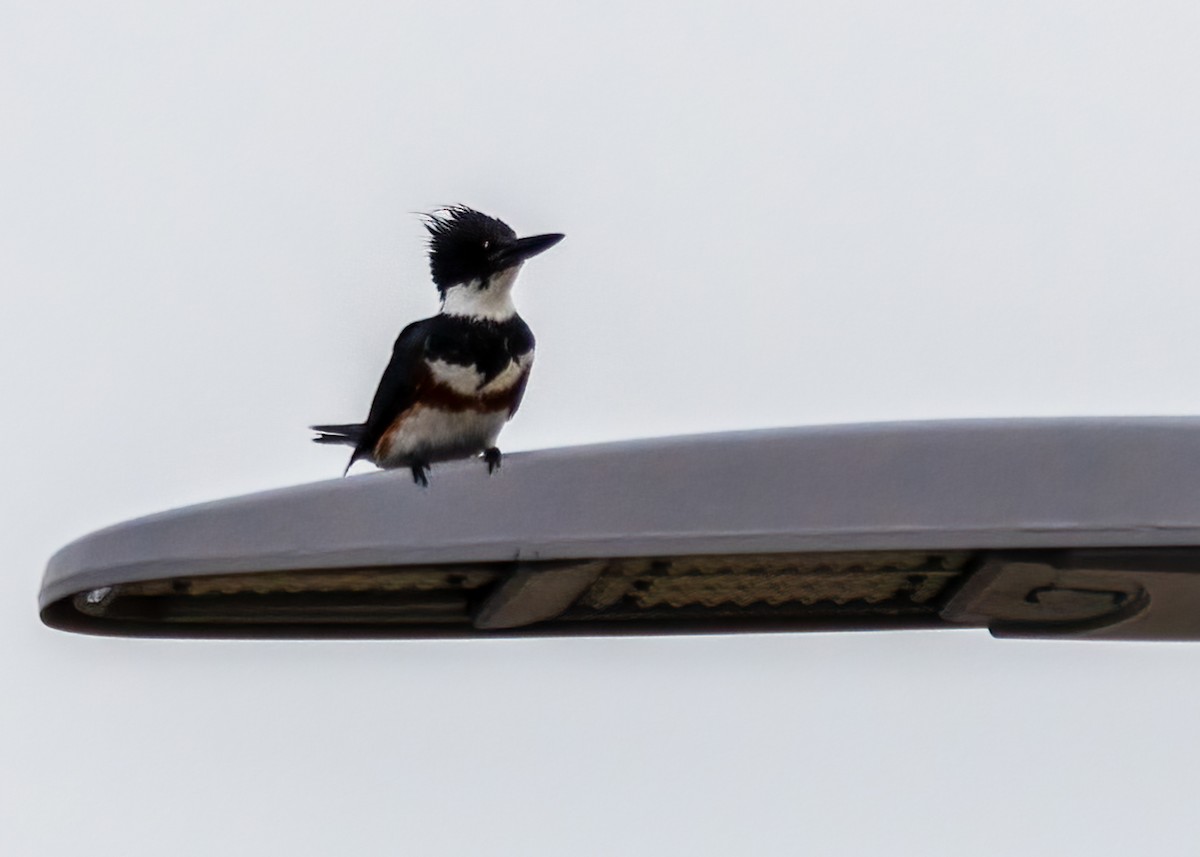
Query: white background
{"type": "Point", "coordinates": [776, 214]}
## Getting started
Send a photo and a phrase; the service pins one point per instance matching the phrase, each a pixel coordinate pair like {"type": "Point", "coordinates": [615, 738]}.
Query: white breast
{"type": "Point", "coordinates": [467, 381]}
{"type": "Point", "coordinates": [459, 378]}
{"type": "Point", "coordinates": [511, 375]}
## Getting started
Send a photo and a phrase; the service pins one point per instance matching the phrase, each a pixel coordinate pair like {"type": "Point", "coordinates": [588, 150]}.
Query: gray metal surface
{"type": "Point", "coordinates": [921, 486]}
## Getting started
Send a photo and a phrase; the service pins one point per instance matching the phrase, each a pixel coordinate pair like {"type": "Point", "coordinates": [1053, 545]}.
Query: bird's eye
{"type": "Point", "coordinates": [487, 244]}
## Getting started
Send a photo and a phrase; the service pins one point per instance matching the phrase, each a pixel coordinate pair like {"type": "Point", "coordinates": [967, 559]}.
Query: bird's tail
{"type": "Point", "coordinates": [349, 433]}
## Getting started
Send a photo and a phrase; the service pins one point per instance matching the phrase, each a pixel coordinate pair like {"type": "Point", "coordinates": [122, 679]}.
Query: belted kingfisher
{"type": "Point", "coordinates": [455, 379]}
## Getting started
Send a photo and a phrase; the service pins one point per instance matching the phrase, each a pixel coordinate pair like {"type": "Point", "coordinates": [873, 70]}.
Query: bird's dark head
{"type": "Point", "coordinates": [468, 247]}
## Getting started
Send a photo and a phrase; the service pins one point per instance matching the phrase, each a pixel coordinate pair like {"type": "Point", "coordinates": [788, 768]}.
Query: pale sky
{"type": "Point", "coordinates": [776, 214]}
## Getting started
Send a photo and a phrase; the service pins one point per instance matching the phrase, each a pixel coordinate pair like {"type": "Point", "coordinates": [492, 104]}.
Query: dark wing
{"type": "Point", "coordinates": [397, 388]}
{"type": "Point", "coordinates": [518, 393]}
{"type": "Point", "coordinates": [519, 341]}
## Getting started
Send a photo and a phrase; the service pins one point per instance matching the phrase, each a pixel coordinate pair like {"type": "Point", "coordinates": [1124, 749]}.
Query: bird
{"type": "Point", "coordinates": [456, 378]}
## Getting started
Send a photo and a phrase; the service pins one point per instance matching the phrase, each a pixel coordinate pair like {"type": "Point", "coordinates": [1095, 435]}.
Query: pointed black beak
{"type": "Point", "coordinates": [524, 248]}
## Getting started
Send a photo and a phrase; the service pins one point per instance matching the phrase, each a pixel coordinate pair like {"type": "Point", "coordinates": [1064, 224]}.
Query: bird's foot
{"type": "Point", "coordinates": [492, 456]}
{"type": "Point", "coordinates": [420, 473]}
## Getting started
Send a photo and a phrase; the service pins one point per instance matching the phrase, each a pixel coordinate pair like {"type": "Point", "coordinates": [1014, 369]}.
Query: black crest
{"type": "Point", "coordinates": [463, 243]}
